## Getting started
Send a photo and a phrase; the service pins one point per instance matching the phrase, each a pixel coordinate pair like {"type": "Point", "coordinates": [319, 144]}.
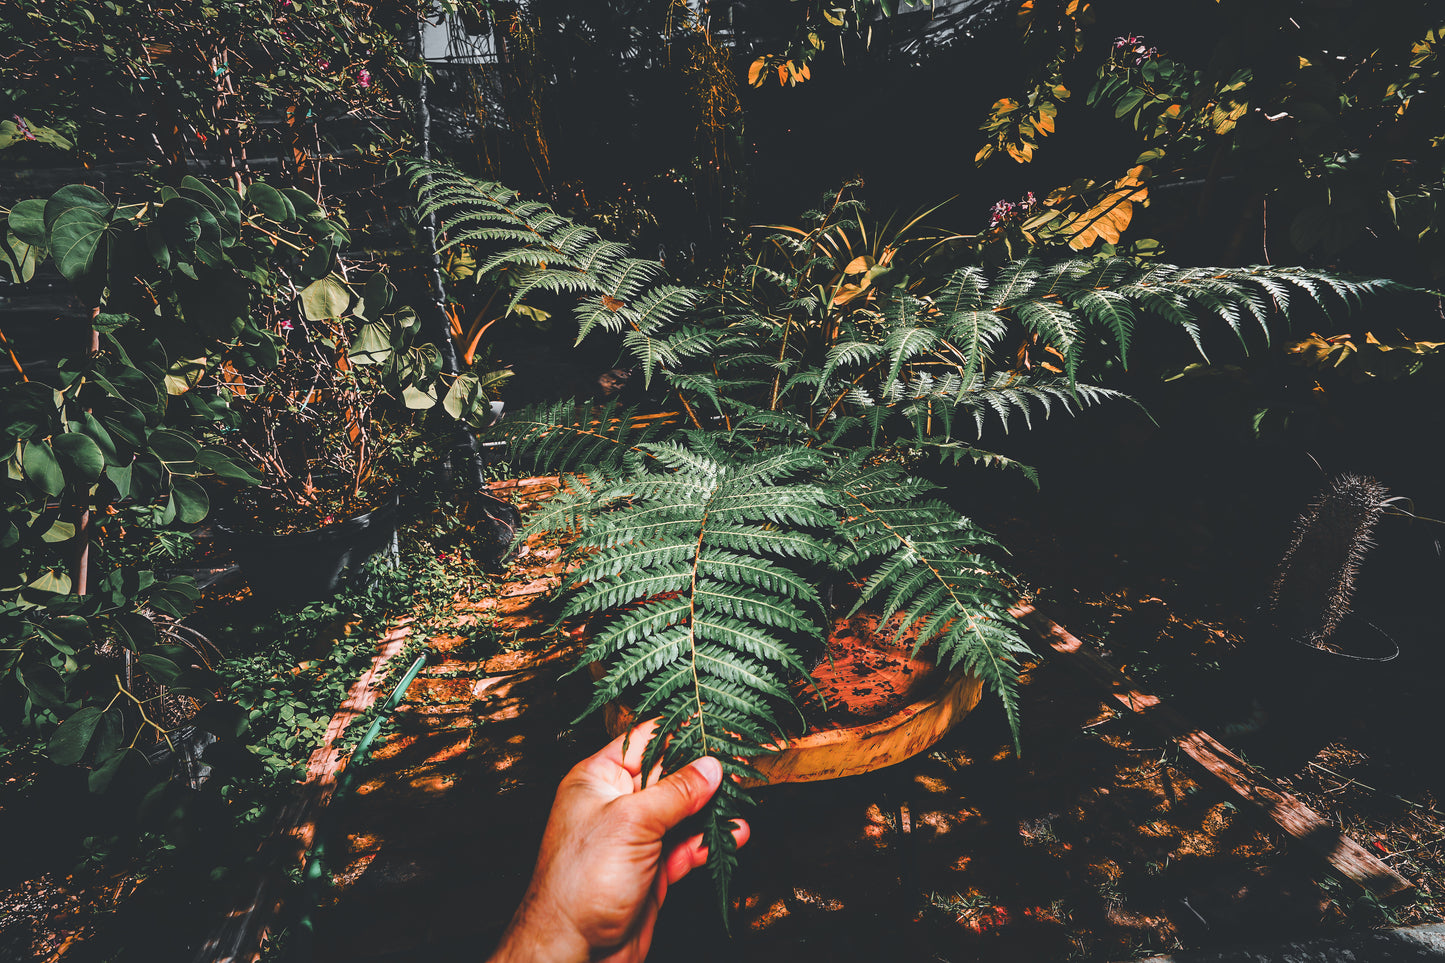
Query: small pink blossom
{"type": "Point", "coordinates": [286, 324]}
{"type": "Point", "coordinates": [363, 77]}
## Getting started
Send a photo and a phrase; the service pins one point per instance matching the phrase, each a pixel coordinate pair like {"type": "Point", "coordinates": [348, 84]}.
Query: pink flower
{"type": "Point", "coordinates": [286, 324]}
{"type": "Point", "coordinates": [363, 77]}
{"type": "Point", "coordinates": [1000, 212]}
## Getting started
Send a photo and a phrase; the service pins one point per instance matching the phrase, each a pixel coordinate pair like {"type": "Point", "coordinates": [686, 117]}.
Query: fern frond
{"type": "Point", "coordinates": [930, 567]}
{"type": "Point", "coordinates": [692, 574]}
{"type": "Point", "coordinates": [572, 435]}
{"type": "Point", "coordinates": [553, 254]}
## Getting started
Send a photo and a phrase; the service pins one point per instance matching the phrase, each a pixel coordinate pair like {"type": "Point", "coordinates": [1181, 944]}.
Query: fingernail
{"type": "Point", "coordinates": [710, 769]}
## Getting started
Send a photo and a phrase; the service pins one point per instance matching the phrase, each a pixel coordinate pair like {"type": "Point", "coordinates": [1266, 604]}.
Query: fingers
{"type": "Point", "coordinates": [666, 803]}
{"type": "Point", "coordinates": [689, 854]}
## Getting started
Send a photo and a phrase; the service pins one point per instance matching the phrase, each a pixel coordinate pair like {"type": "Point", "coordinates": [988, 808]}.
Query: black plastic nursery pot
{"type": "Point", "coordinates": [313, 565]}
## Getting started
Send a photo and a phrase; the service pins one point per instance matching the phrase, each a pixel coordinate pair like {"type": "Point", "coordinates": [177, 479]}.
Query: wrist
{"type": "Point", "coordinates": [539, 934]}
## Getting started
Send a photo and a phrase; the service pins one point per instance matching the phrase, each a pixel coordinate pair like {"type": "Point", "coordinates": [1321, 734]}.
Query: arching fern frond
{"type": "Point", "coordinates": [553, 253]}
{"type": "Point", "coordinates": [930, 566]}
{"type": "Point", "coordinates": [691, 577]}
{"type": "Point", "coordinates": [573, 435]}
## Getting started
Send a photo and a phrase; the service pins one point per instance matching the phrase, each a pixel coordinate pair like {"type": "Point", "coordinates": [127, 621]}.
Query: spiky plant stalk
{"type": "Point", "coordinates": [1316, 578]}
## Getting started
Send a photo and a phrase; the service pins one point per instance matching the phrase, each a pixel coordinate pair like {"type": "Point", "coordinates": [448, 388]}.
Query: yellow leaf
{"type": "Point", "coordinates": [983, 154]}
{"type": "Point", "coordinates": [1005, 106]}
{"type": "Point", "coordinates": [1045, 123]}
{"type": "Point", "coordinates": [755, 72]}
{"type": "Point", "coordinates": [859, 264]}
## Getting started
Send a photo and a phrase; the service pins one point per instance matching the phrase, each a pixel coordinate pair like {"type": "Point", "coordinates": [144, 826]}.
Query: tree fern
{"type": "Point", "coordinates": [698, 551]}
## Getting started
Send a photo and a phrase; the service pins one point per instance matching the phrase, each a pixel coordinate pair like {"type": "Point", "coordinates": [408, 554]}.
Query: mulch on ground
{"type": "Point", "coordinates": [1098, 843]}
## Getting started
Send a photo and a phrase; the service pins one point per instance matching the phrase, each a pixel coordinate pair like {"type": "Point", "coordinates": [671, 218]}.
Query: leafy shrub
{"type": "Point", "coordinates": [702, 551]}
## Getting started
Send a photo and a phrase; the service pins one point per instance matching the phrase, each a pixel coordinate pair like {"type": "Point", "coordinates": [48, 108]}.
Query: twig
{"type": "Point", "coordinates": [1349, 781]}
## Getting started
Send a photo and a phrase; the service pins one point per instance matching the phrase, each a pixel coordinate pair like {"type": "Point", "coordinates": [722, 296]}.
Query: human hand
{"type": "Point", "coordinates": [601, 873]}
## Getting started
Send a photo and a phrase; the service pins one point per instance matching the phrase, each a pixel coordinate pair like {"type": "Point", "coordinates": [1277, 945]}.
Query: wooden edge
{"type": "Point", "coordinates": [852, 750]}
{"type": "Point", "coordinates": [239, 935]}
{"type": "Point", "coordinates": [1347, 857]}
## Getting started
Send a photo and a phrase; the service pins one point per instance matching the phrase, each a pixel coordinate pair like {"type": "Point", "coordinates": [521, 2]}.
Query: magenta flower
{"type": "Point", "coordinates": [286, 325]}
{"type": "Point", "coordinates": [1001, 211]}
{"type": "Point", "coordinates": [363, 77]}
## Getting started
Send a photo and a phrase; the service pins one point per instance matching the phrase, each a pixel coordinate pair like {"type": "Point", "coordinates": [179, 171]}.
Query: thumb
{"type": "Point", "coordinates": [669, 801]}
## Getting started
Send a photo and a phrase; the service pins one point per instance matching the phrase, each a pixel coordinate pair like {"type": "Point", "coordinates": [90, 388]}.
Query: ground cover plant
{"type": "Point", "coordinates": [703, 552]}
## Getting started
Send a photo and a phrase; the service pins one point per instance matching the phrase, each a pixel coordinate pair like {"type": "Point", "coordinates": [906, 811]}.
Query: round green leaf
{"type": "Point", "coordinates": [70, 741]}
{"type": "Point", "coordinates": [75, 220]}
{"type": "Point", "coordinates": [101, 777]}
{"type": "Point", "coordinates": [304, 204]}
{"type": "Point", "coordinates": [218, 464]}
{"type": "Point", "coordinates": [44, 685]}
{"type": "Point", "coordinates": [191, 500]}
{"type": "Point", "coordinates": [41, 467]}
{"type": "Point", "coordinates": [30, 409]}
{"type": "Point", "coordinates": [326, 298]}
{"type": "Point", "coordinates": [110, 735]}
{"type": "Point", "coordinates": [91, 426]}
{"type": "Point", "coordinates": [173, 447]}
{"type": "Point", "coordinates": [80, 457]}
{"type": "Point", "coordinates": [270, 202]}
{"type": "Point", "coordinates": [59, 532]}
{"type": "Point", "coordinates": [119, 476]}
{"type": "Point", "coordinates": [318, 259]}
{"type": "Point", "coordinates": [27, 222]}
{"type": "Point", "coordinates": [159, 668]}
{"type": "Point", "coordinates": [372, 345]}
{"type": "Point", "coordinates": [461, 396]}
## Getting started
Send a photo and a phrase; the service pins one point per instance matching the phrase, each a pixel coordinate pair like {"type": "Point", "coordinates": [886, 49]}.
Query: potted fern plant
{"type": "Point", "coordinates": [703, 549]}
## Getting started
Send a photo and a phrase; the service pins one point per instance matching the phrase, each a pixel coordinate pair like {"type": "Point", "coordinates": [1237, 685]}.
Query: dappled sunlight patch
{"type": "Point", "coordinates": [815, 900]}
{"type": "Point", "coordinates": [772, 913]}
{"type": "Point", "coordinates": [931, 783]}
{"type": "Point", "coordinates": [941, 822]}
{"type": "Point", "coordinates": [878, 827]}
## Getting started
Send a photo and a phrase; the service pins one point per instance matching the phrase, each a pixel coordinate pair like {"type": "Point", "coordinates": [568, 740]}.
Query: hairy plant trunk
{"type": "Point", "coordinates": [1316, 579]}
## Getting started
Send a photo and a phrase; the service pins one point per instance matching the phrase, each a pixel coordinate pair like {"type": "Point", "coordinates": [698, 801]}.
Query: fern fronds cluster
{"type": "Point", "coordinates": [699, 552]}
{"type": "Point", "coordinates": [697, 571]}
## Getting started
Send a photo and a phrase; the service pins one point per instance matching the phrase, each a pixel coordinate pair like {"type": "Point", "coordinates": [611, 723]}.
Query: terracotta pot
{"type": "Point", "coordinates": [927, 703]}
